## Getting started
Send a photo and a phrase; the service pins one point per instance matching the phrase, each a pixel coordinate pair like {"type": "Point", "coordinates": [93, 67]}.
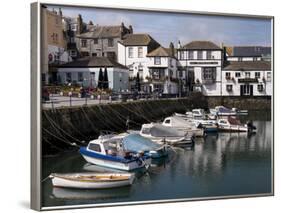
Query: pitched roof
{"type": "Point", "coordinates": [87, 62]}
{"type": "Point", "coordinates": [201, 45]}
{"type": "Point", "coordinates": [161, 52]}
{"type": "Point", "coordinates": [102, 32]}
{"type": "Point", "coordinates": [248, 65]}
{"type": "Point", "coordinates": [138, 40]}
{"type": "Point", "coordinates": [251, 51]}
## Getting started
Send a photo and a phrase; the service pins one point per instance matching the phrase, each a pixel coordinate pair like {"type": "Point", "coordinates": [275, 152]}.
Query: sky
{"type": "Point", "coordinates": [174, 27]}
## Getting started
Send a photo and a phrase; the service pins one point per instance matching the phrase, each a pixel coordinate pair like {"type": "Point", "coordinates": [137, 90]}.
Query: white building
{"type": "Point", "coordinates": [201, 62]}
{"type": "Point", "coordinates": [86, 71]}
{"type": "Point", "coordinates": [162, 67]}
{"type": "Point", "coordinates": [132, 53]}
{"type": "Point", "coordinates": [247, 78]}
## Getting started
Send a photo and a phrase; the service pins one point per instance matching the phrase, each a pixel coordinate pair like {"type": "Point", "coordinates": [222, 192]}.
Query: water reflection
{"type": "Point", "coordinates": [220, 164]}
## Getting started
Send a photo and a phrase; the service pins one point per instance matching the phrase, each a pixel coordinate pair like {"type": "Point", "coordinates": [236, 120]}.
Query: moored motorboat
{"type": "Point", "coordinates": [182, 124]}
{"type": "Point", "coordinates": [223, 111]}
{"type": "Point", "coordinates": [92, 180]}
{"type": "Point", "coordinates": [109, 152]}
{"type": "Point", "coordinates": [234, 125]}
{"type": "Point", "coordinates": [165, 135]}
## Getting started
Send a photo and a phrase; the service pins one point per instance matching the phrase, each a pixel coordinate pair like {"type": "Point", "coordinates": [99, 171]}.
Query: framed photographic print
{"type": "Point", "coordinates": [137, 105]}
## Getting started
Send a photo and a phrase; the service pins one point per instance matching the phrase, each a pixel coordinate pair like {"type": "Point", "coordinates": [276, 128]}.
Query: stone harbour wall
{"type": "Point", "coordinates": [71, 127]}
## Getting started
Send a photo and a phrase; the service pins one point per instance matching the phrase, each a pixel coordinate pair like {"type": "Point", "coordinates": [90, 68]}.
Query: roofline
{"type": "Point", "coordinates": [182, 48]}
{"type": "Point", "coordinates": [123, 67]}
{"type": "Point", "coordinates": [242, 70]}
{"type": "Point", "coordinates": [233, 56]}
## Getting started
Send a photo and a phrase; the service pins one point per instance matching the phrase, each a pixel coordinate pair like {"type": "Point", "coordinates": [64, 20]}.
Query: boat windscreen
{"type": "Point", "coordinates": [137, 143]}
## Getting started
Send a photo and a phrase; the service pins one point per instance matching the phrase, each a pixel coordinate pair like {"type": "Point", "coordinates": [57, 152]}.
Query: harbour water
{"type": "Point", "coordinates": [219, 165]}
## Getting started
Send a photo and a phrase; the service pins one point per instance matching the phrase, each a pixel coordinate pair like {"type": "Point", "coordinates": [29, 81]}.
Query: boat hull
{"type": "Point", "coordinates": [117, 165]}
{"type": "Point", "coordinates": [234, 128]}
{"type": "Point", "coordinates": [58, 181]}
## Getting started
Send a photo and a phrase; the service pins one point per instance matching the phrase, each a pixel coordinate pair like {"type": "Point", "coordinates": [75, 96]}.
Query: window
{"type": "Point", "coordinates": [200, 55]}
{"type": "Point", "coordinates": [246, 89]}
{"type": "Point", "coordinates": [84, 43]}
{"type": "Point", "coordinates": [157, 60]}
{"type": "Point", "coordinates": [94, 54]}
{"type": "Point", "coordinates": [227, 76]}
{"type": "Point", "coordinates": [209, 73]}
{"type": "Point", "coordinates": [68, 77]}
{"type": "Point", "coordinates": [257, 74]}
{"type": "Point", "coordinates": [96, 41]}
{"type": "Point", "coordinates": [140, 52]}
{"type": "Point", "coordinates": [131, 52]}
{"type": "Point", "coordinates": [167, 121]}
{"type": "Point", "coordinates": [94, 147]}
{"type": "Point", "coordinates": [247, 74]}
{"type": "Point", "coordinates": [182, 55]}
{"type": "Point", "coordinates": [229, 88]}
{"type": "Point", "coordinates": [190, 55]}
{"type": "Point", "coordinates": [268, 76]}
{"type": "Point", "coordinates": [80, 76]}
{"type": "Point", "coordinates": [237, 74]}
{"type": "Point", "coordinates": [260, 87]}
{"type": "Point", "coordinates": [110, 42]}
{"type": "Point", "coordinates": [209, 55]}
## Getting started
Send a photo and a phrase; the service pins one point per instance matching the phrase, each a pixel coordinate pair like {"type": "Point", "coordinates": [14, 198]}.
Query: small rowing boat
{"type": "Point", "coordinates": [92, 180]}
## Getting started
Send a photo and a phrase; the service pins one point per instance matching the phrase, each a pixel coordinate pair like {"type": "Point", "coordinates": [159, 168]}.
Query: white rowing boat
{"type": "Point", "coordinates": [92, 180]}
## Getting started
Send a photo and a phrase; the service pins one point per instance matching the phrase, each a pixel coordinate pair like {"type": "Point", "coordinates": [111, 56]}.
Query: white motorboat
{"type": "Point", "coordinates": [234, 125]}
{"type": "Point", "coordinates": [92, 180]}
{"type": "Point", "coordinates": [163, 134]}
{"type": "Point", "coordinates": [108, 152]}
{"type": "Point", "coordinates": [182, 124]}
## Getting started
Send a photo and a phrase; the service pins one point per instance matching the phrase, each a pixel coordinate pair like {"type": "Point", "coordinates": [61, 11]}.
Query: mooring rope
{"type": "Point", "coordinates": [55, 125]}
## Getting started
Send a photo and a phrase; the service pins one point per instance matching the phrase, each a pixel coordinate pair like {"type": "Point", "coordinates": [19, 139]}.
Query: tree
{"type": "Point", "coordinates": [100, 82]}
{"type": "Point", "coordinates": [105, 79]}
{"type": "Point", "coordinates": [138, 87]}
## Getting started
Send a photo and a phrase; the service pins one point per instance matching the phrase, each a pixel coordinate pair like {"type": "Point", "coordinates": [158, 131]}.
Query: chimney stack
{"type": "Point", "coordinates": [60, 12]}
{"type": "Point", "coordinates": [131, 29]}
{"type": "Point", "coordinates": [179, 44]}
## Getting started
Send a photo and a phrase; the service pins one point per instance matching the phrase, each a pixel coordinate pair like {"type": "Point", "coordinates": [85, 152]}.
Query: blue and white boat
{"type": "Point", "coordinates": [108, 152]}
{"type": "Point", "coordinates": [136, 143]}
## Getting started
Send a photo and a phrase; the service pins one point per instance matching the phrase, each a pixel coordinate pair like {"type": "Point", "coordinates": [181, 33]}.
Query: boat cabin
{"type": "Point", "coordinates": [106, 147]}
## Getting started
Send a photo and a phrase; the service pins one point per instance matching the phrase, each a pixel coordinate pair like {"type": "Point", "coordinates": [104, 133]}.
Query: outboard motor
{"type": "Point", "coordinates": [251, 126]}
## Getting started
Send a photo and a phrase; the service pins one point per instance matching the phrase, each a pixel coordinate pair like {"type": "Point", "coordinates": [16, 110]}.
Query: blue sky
{"type": "Point", "coordinates": [171, 27]}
